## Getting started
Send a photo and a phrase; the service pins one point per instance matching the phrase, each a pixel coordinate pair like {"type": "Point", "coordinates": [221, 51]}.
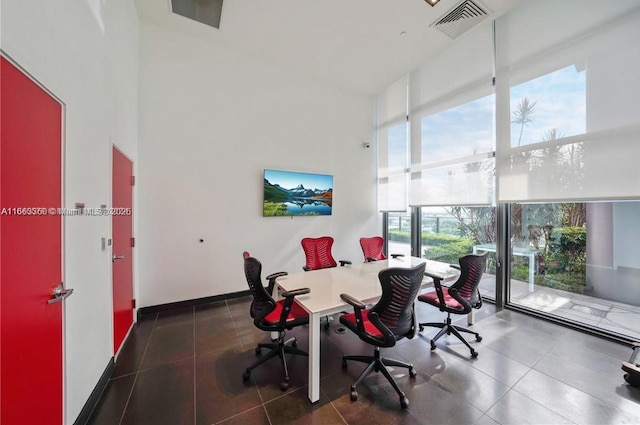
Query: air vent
{"type": "Point", "coordinates": [461, 18]}
{"type": "Point", "coordinates": [207, 12]}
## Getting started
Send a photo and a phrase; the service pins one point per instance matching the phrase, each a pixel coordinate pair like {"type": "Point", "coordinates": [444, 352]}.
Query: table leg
{"type": "Point", "coordinates": [314, 357]}
{"type": "Point", "coordinates": [532, 266]}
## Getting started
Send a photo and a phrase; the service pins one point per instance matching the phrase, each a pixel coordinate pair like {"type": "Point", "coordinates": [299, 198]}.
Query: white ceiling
{"type": "Point", "coordinates": [356, 45]}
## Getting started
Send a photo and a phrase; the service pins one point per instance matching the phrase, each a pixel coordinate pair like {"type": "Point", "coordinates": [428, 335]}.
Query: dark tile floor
{"type": "Point", "coordinates": [185, 367]}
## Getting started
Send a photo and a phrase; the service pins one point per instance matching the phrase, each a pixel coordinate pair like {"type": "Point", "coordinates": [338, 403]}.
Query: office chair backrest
{"type": "Point", "coordinates": [372, 248]}
{"type": "Point", "coordinates": [261, 298]}
{"type": "Point", "coordinates": [471, 269]}
{"type": "Point", "coordinates": [317, 252]}
{"type": "Point", "coordinates": [400, 288]}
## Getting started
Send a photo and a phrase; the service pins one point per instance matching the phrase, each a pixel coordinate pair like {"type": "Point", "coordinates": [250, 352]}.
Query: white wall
{"type": "Point", "coordinates": [211, 120]}
{"type": "Point", "coordinates": [85, 52]}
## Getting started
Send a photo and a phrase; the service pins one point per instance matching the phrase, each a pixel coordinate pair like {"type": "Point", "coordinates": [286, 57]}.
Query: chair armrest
{"type": "Point", "coordinates": [272, 280]}
{"type": "Point", "coordinates": [370, 259]}
{"type": "Point", "coordinates": [356, 303]}
{"type": "Point", "coordinates": [358, 306]}
{"type": "Point", "coordinates": [437, 283]}
{"type": "Point", "coordinates": [454, 266]}
{"type": "Point", "coordinates": [343, 262]}
{"type": "Point", "coordinates": [456, 296]}
{"type": "Point", "coordinates": [274, 276]}
{"type": "Point", "coordinates": [288, 301]}
{"type": "Point", "coordinates": [295, 292]}
{"type": "Point", "coordinates": [389, 337]}
{"type": "Point", "coordinates": [305, 268]}
{"type": "Point", "coordinates": [397, 255]}
{"type": "Point", "coordinates": [434, 276]}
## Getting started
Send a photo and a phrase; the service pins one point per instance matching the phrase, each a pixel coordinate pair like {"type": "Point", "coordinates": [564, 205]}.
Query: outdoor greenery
{"type": "Point", "coordinates": [559, 235]}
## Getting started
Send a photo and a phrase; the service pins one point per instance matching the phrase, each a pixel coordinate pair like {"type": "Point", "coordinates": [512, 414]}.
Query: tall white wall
{"type": "Point", "coordinates": [211, 120]}
{"type": "Point", "coordinates": [86, 53]}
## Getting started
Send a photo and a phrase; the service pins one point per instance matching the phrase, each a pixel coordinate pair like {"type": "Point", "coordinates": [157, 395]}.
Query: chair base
{"type": "Point", "coordinates": [447, 328]}
{"type": "Point", "coordinates": [277, 349]}
{"type": "Point", "coordinates": [378, 363]}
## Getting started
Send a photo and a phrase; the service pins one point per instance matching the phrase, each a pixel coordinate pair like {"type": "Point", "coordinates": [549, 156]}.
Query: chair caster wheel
{"type": "Point", "coordinates": [474, 354]}
{"type": "Point", "coordinates": [258, 351]}
{"type": "Point", "coordinates": [246, 375]}
{"type": "Point", "coordinates": [478, 338]}
{"type": "Point", "coordinates": [353, 394]}
{"type": "Point", "coordinates": [412, 372]}
{"type": "Point", "coordinates": [433, 345]}
{"type": "Point", "coordinates": [420, 328]}
{"type": "Point", "coordinates": [404, 402]}
{"type": "Point", "coordinates": [344, 363]}
{"type": "Point", "coordinates": [284, 386]}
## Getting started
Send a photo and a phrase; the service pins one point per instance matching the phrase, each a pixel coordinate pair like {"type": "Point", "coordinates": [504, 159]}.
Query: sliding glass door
{"type": "Point", "coordinates": [578, 262]}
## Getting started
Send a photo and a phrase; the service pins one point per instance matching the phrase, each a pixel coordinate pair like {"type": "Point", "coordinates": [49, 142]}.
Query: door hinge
{"type": "Point", "coordinates": [133, 180]}
{"type": "Point", "coordinates": [133, 303]}
{"type": "Point", "coordinates": [133, 242]}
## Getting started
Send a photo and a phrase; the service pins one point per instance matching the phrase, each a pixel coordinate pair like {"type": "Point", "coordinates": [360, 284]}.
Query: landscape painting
{"type": "Point", "coordinates": [288, 193]}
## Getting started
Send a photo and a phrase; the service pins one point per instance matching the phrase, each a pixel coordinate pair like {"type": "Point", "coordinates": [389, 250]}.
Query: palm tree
{"type": "Point", "coordinates": [523, 115]}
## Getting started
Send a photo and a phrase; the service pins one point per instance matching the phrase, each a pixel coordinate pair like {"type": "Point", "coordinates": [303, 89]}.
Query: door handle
{"type": "Point", "coordinates": [115, 257]}
{"type": "Point", "coordinates": [59, 294]}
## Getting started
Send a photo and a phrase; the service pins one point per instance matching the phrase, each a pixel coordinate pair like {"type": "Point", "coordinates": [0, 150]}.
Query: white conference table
{"type": "Point", "coordinates": [326, 285]}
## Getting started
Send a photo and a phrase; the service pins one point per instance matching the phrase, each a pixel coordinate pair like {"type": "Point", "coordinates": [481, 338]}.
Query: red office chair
{"type": "Point", "coordinates": [373, 247]}
{"type": "Point", "coordinates": [272, 316]}
{"type": "Point", "coordinates": [317, 252]}
{"type": "Point", "coordinates": [389, 320]}
{"type": "Point", "coordinates": [458, 298]}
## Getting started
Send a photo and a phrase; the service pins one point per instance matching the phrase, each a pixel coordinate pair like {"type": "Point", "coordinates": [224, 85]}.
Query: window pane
{"type": "Point", "coordinates": [459, 132]}
{"type": "Point", "coordinates": [584, 263]}
{"type": "Point", "coordinates": [399, 236]}
{"type": "Point", "coordinates": [549, 107]}
{"type": "Point", "coordinates": [449, 233]}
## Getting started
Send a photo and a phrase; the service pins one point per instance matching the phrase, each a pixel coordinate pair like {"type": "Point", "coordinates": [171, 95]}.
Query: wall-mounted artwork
{"type": "Point", "coordinates": [288, 193]}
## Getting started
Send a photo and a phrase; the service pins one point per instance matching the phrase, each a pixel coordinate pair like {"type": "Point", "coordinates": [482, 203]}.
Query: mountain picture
{"type": "Point", "coordinates": [289, 193]}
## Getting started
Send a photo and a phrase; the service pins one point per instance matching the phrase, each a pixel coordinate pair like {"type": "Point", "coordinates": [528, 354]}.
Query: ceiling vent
{"type": "Point", "coordinates": [207, 12]}
{"type": "Point", "coordinates": [461, 18]}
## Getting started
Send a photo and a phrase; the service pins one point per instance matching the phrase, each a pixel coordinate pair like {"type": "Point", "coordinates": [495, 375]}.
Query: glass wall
{"type": "Point", "coordinates": [578, 261]}
{"type": "Point", "coordinates": [548, 129]}
{"type": "Point", "coordinates": [449, 233]}
{"type": "Point", "coordinates": [399, 233]}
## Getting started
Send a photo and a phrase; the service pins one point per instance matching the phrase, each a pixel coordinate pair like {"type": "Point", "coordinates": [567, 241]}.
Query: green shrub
{"type": "Point", "coordinates": [449, 252]}
{"type": "Point", "coordinates": [399, 236]}
{"type": "Point", "coordinates": [568, 248]}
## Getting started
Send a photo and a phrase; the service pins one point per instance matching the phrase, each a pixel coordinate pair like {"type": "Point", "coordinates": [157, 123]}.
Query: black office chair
{"type": "Point", "coordinates": [271, 278]}
{"type": "Point", "coordinates": [458, 298]}
{"type": "Point", "coordinates": [272, 316]}
{"type": "Point", "coordinates": [389, 320]}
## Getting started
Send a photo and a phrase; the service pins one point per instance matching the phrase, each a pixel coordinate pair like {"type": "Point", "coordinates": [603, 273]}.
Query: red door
{"type": "Point", "coordinates": [122, 251]}
{"type": "Point", "coordinates": [31, 390]}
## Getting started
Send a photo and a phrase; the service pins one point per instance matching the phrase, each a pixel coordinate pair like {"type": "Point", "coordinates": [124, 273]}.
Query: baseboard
{"type": "Point", "coordinates": [96, 395]}
{"type": "Point", "coordinates": [190, 303]}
